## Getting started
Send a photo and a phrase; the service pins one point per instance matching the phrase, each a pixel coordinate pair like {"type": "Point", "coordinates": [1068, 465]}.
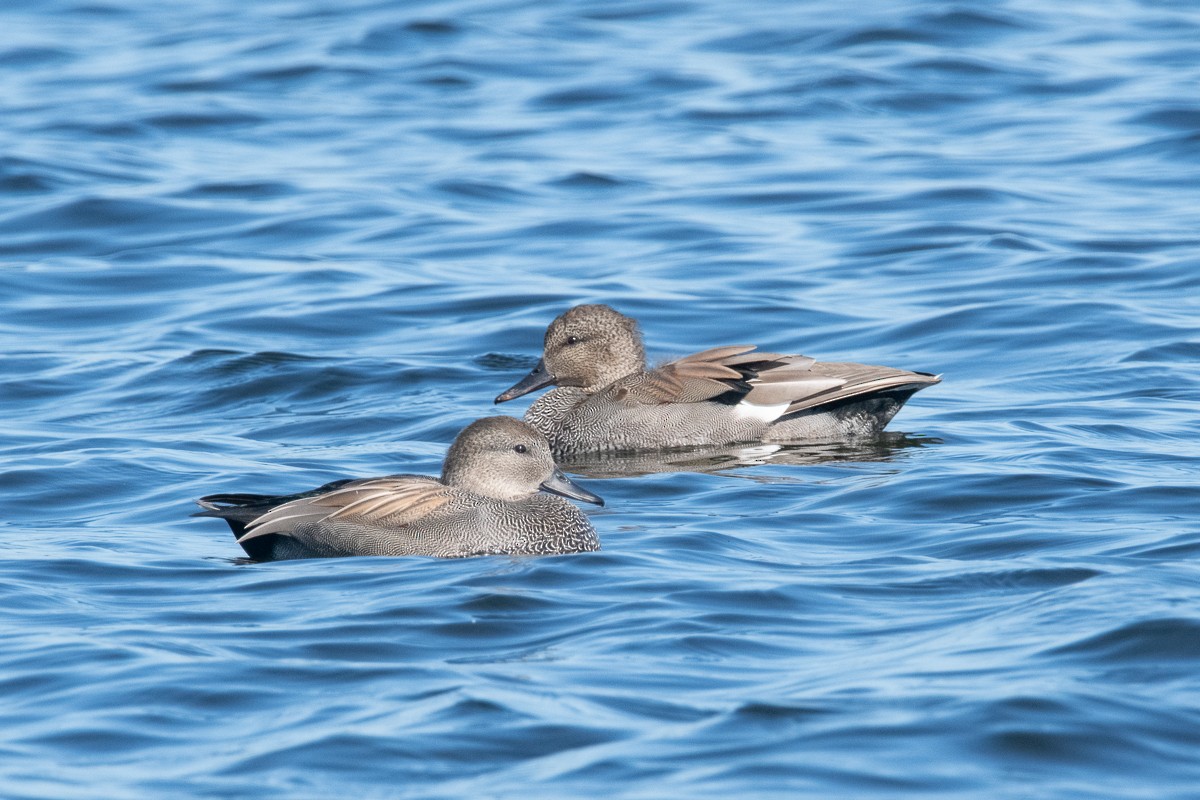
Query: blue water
{"type": "Point", "coordinates": [259, 246]}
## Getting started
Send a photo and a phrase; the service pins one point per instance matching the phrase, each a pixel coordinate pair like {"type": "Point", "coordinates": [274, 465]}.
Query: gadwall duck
{"type": "Point", "coordinates": [607, 399]}
{"type": "Point", "coordinates": [486, 502]}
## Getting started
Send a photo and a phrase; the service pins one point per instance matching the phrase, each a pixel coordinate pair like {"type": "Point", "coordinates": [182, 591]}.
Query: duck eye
{"type": "Point", "coordinates": [572, 340]}
{"type": "Point", "coordinates": [520, 448]}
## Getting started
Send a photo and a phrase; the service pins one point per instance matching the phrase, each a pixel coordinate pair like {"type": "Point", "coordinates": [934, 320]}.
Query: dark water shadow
{"type": "Point", "coordinates": [885, 447]}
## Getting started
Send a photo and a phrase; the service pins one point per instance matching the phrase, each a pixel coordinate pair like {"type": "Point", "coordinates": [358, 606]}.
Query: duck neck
{"type": "Point", "coordinates": [626, 356]}
{"type": "Point", "coordinates": [496, 487]}
{"type": "Point", "coordinates": [548, 411]}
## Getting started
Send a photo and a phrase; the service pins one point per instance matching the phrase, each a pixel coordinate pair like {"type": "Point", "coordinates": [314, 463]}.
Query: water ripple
{"type": "Point", "coordinates": [259, 247]}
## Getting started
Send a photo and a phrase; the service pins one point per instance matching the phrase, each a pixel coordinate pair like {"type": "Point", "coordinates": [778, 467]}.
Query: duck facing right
{"type": "Point", "coordinates": [488, 501]}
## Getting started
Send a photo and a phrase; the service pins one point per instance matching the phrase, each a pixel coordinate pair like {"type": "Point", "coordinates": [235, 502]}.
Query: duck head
{"type": "Point", "coordinates": [507, 459]}
{"type": "Point", "coordinates": [588, 346]}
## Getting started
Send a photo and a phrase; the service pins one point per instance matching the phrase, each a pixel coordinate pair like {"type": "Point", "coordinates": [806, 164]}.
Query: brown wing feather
{"type": "Point", "coordinates": [704, 369]}
{"type": "Point", "coordinates": [694, 378]}
{"type": "Point", "coordinates": [394, 502]}
{"type": "Point", "coordinates": [718, 353]}
{"type": "Point", "coordinates": [767, 379]}
{"type": "Point", "coordinates": [396, 507]}
{"type": "Point", "coordinates": [759, 359]}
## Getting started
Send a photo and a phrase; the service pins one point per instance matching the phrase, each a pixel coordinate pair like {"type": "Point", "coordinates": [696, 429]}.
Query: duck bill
{"type": "Point", "coordinates": [538, 377]}
{"type": "Point", "coordinates": [561, 484]}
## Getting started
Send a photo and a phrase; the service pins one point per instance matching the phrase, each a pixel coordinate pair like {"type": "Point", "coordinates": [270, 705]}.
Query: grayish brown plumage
{"type": "Point", "coordinates": [486, 502]}
{"type": "Point", "coordinates": [607, 399]}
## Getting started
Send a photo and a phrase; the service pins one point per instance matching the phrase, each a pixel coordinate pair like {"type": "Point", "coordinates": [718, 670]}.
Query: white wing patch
{"type": "Point", "coordinates": [747, 410]}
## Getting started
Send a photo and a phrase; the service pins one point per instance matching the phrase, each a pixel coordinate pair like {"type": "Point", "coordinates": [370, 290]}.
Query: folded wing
{"type": "Point", "coordinates": [696, 378]}
{"type": "Point", "coordinates": [836, 382]}
{"type": "Point", "coordinates": [770, 384]}
{"type": "Point", "coordinates": [393, 502]}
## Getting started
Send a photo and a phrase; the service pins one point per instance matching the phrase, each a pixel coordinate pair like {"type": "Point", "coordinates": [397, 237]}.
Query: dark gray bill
{"type": "Point", "coordinates": [561, 484]}
{"type": "Point", "coordinates": [536, 379]}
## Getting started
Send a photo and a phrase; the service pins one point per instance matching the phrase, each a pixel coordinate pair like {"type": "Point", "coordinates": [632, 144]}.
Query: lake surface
{"type": "Point", "coordinates": [260, 246]}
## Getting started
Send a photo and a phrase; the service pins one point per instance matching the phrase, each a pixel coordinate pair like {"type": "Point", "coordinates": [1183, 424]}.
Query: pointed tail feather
{"type": "Point", "coordinates": [863, 382]}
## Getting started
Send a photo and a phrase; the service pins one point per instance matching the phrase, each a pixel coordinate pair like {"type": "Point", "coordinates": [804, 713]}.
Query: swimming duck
{"type": "Point", "coordinates": [487, 501]}
{"type": "Point", "coordinates": [607, 399]}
